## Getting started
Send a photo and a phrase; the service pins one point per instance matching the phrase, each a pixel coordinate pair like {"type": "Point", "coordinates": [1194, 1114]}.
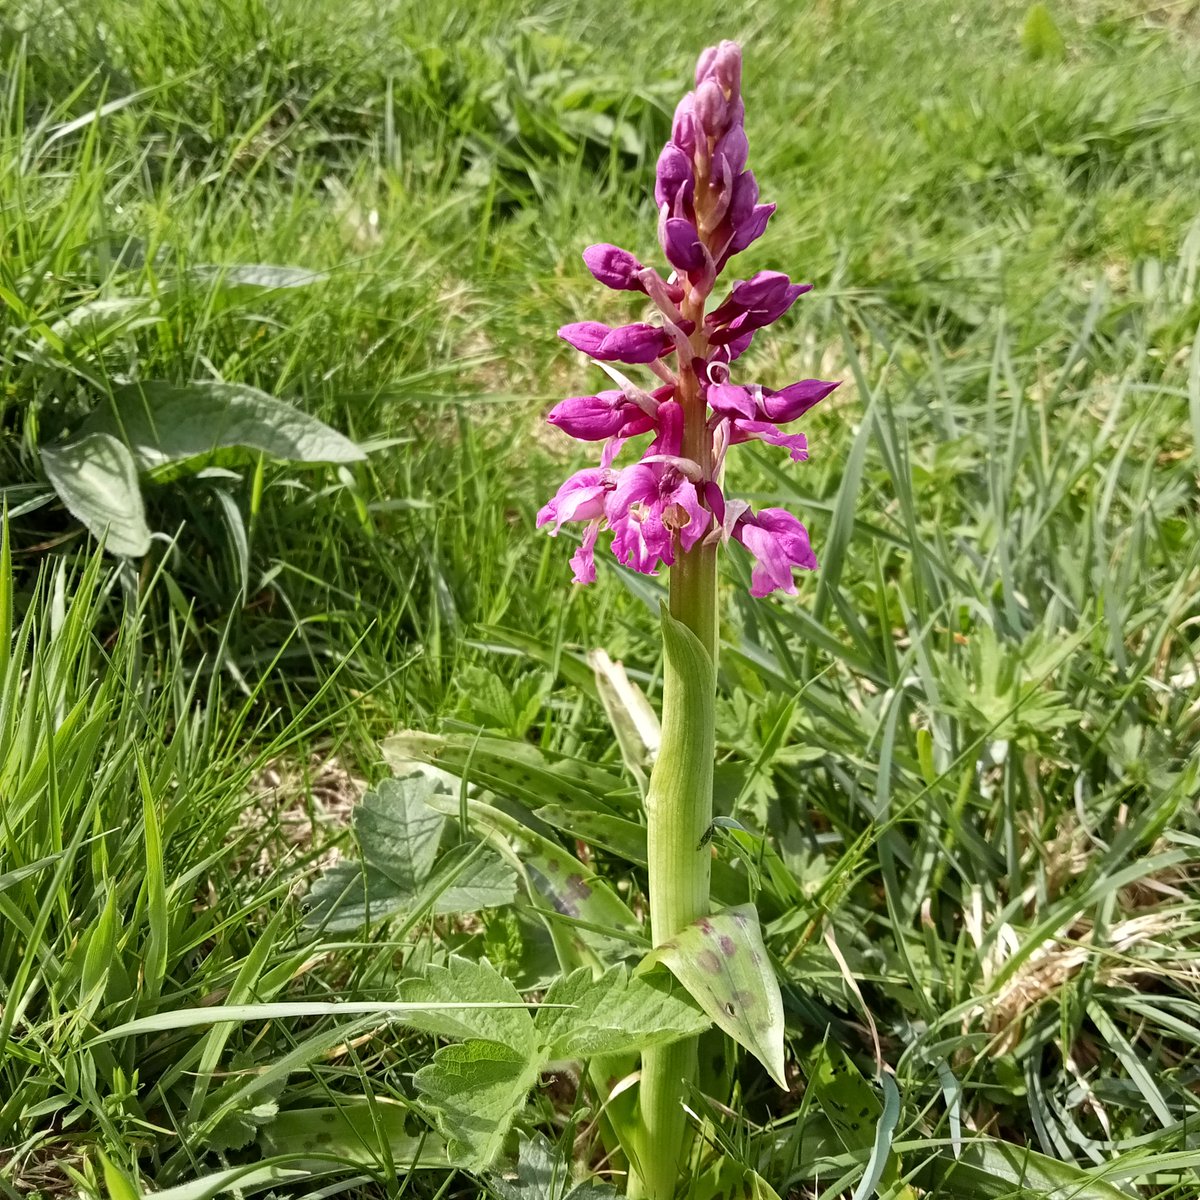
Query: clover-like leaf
{"type": "Point", "coordinates": [722, 962]}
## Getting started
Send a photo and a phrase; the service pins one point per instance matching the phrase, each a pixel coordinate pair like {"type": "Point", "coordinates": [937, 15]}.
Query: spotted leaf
{"type": "Point", "coordinates": [722, 962]}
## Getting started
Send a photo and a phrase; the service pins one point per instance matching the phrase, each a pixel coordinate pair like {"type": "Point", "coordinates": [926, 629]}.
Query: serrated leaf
{"type": "Point", "coordinates": [349, 895]}
{"type": "Point", "coordinates": [353, 1133]}
{"type": "Point", "coordinates": [475, 1090]}
{"type": "Point", "coordinates": [96, 478]}
{"type": "Point", "coordinates": [398, 832]}
{"type": "Point", "coordinates": [618, 1013]}
{"type": "Point", "coordinates": [470, 981]}
{"type": "Point", "coordinates": [722, 962]}
{"type": "Point", "coordinates": [163, 423]}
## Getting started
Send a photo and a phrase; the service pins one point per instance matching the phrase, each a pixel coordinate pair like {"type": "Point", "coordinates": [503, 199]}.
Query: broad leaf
{"type": "Point", "coordinates": [164, 423]}
{"type": "Point", "coordinates": [248, 279]}
{"type": "Point", "coordinates": [618, 1013]}
{"type": "Point", "coordinates": [96, 478]}
{"type": "Point", "coordinates": [478, 878]}
{"type": "Point", "coordinates": [722, 962]}
{"type": "Point", "coordinates": [475, 1090]}
{"type": "Point", "coordinates": [398, 832]}
{"type": "Point", "coordinates": [97, 321]}
{"type": "Point", "coordinates": [354, 1133]}
{"type": "Point", "coordinates": [472, 981]}
{"type": "Point", "coordinates": [570, 888]}
{"type": "Point", "coordinates": [350, 895]}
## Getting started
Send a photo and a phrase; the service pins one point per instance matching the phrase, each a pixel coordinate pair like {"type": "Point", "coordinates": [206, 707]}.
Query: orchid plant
{"type": "Point", "coordinates": [669, 508]}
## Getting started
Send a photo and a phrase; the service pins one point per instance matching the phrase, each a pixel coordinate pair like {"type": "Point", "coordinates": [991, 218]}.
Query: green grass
{"type": "Point", "coordinates": [973, 735]}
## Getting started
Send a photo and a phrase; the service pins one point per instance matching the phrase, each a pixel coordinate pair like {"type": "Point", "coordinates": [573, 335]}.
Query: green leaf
{"type": "Point", "coordinates": [164, 423]}
{"type": "Point", "coordinates": [990, 1169]}
{"type": "Point", "coordinates": [350, 895]}
{"type": "Point", "coordinates": [618, 835]}
{"type": "Point", "coordinates": [618, 1013]}
{"type": "Point", "coordinates": [480, 879]}
{"type": "Point", "coordinates": [722, 962]}
{"type": "Point", "coordinates": [475, 982]}
{"type": "Point", "coordinates": [633, 721]}
{"type": "Point", "coordinates": [729, 1179]}
{"type": "Point", "coordinates": [542, 1174]}
{"type": "Point", "coordinates": [359, 1132]}
{"type": "Point", "coordinates": [98, 321]}
{"type": "Point", "coordinates": [118, 1185]}
{"type": "Point", "coordinates": [411, 1012]}
{"type": "Point", "coordinates": [475, 1090]}
{"type": "Point", "coordinates": [248, 279]}
{"type": "Point", "coordinates": [398, 832]}
{"type": "Point", "coordinates": [1040, 36]}
{"type": "Point", "coordinates": [96, 478]}
{"type": "Point", "coordinates": [508, 768]}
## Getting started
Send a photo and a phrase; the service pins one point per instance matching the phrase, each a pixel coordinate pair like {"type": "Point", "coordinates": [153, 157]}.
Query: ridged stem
{"type": "Point", "coordinates": [679, 808]}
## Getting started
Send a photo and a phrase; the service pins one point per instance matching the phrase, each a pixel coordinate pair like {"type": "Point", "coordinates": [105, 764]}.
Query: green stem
{"type": "Point", "coordinates": [679, 812]}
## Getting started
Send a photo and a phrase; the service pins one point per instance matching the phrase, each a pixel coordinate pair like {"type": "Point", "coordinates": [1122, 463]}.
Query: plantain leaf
{"type": "Point", "coordinates": [722, 962]}
{"type": "Point", "coordinates": [166, 423]}
{"type": "Point", "coordinates": [96, 478]}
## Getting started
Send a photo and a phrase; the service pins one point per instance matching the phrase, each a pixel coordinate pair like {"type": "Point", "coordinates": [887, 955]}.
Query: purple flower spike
{"type": "Point", "coordinates": [778, 542]}
{"type": "Point", "coordinates": [626, 343]}
{"type": "Point", "coordinates": [670, 500]}
{"type": "Point", "coordinates": [614, 267]}
{"type": "Point", "coordinates": [712, 108]}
